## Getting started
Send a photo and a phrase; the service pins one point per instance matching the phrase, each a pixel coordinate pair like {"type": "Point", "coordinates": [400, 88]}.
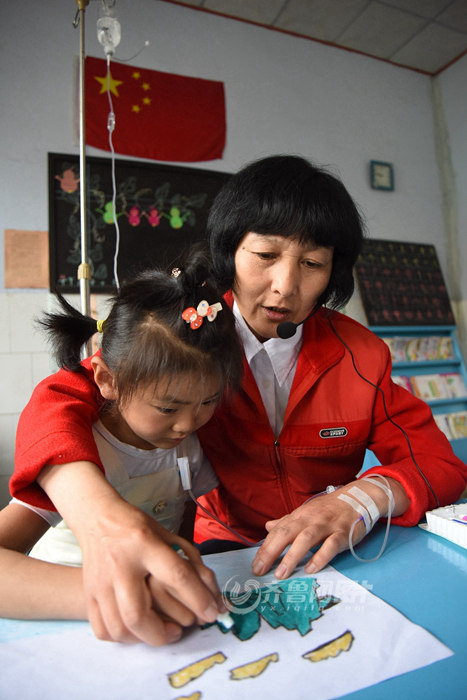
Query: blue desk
{"type": "Point", "coordinates": [424, 577]}
{"type": "Point", "coordinates": [421, 575]}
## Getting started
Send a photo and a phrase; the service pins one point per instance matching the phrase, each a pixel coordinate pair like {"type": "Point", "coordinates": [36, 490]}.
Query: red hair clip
{"type": "Point", "coordinates": [204, 310]}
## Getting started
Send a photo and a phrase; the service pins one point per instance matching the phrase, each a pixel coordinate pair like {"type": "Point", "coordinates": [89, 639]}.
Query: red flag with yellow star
{"type": "Point", "coordinates": [158, 115]}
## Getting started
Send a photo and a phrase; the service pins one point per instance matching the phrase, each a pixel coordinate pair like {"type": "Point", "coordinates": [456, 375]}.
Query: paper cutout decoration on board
{"type": "Point", "coordinates": [160, 210]}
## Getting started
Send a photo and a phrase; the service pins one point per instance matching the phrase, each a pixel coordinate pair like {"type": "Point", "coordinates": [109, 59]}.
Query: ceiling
{"type": "Point", "coordinates": [423, 35]}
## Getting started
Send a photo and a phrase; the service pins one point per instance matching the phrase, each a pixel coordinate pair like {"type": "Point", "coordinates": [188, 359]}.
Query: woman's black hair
{"type": "Point", "coordinates": [288, 196]}
{"type": "Point", "coordinates": [145, 337]}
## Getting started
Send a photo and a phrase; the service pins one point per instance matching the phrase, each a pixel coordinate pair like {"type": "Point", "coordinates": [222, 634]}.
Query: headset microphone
{"type": "Point", "coordinates": [287, 329]}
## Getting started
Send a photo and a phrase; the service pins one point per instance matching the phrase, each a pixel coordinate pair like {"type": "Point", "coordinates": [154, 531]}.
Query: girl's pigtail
{"type": "Point", "coordinates": [195, 272]}
{"type": "Point", "coordinates": [67, 333]}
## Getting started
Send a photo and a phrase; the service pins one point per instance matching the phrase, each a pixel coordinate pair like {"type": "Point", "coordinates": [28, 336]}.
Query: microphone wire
{"type": "Point", "coordinates": [391, 420]}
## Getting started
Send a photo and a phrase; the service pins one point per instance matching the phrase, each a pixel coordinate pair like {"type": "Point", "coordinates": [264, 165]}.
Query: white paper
{"type": "Point", "coordinates": [56, 660]}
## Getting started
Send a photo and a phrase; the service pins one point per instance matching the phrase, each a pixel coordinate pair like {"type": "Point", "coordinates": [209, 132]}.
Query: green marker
{"type": "Point", "coordinates": [224, 619]}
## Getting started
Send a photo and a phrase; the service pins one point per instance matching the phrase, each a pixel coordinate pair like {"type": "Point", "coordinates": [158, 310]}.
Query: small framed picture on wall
{"type": "Point", "coordinates": [381, 175]}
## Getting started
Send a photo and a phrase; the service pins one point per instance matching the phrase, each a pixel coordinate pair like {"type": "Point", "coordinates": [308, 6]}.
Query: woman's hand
{"type": "Point", "coordinates": [137, 588]}
{"type": "Point", "coordinates": [324, 520]}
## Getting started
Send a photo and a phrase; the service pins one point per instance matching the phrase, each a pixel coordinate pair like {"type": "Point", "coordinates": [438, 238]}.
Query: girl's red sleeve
{"type": "Point", "coordinates": [55, 428]}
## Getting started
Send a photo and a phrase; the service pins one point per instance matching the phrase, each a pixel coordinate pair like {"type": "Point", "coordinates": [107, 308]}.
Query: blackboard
{"type": "Point", "coordinates": [402, 284]}
{"type": "Point", "coordinates": [161, 210]}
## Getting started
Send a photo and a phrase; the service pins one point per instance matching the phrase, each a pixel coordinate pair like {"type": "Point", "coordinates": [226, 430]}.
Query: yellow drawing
{"type": "Point", "coordinates": [189, 673]}
{"type": "Point", "coordinates": [253, 669]}
{"type": "Point", "coordinates": [194, 696]}
{"type": "Point", "coordinates": [332, 648]}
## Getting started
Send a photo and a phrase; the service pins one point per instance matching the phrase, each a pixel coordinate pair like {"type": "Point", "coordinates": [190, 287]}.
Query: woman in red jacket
{"type": "Point", "coordinates": [316, 394]}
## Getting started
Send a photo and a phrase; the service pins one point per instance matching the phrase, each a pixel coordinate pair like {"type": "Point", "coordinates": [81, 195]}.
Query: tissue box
{"type": "Point", "coordinates": [449, 522]}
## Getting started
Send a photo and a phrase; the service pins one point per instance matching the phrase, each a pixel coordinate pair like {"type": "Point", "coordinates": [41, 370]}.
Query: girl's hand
{"type": "Point", "coordinates": [324, 520]}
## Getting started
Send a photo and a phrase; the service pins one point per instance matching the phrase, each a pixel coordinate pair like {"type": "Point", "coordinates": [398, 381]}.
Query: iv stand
{"type": "Point", "coordinates": [84, 269]}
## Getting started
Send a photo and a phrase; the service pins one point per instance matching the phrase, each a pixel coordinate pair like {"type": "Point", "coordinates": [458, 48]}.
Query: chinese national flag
{"type": "Point", "coordinates": [160, 116]}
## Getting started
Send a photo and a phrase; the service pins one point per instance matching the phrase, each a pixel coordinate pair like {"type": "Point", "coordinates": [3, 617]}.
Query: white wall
{"type": "Point", "coordinates": [453, 91]}
{"type": "Point", "coordinates": [453, 96]}
{"type": "Point", "coordinates": [284, 94]}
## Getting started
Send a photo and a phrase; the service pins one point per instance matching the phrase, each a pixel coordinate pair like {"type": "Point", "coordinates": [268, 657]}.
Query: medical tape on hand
{"type": "Point", "coordinates": [359, 508]}
{"type": "Point", "coordinates": [367, 501]}
{"type": "Point", "coordinates": [385, 487]}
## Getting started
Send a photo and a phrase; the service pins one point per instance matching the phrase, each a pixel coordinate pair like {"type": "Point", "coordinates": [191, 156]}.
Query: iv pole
{"type": "Point", "coordinates": [84, 269]}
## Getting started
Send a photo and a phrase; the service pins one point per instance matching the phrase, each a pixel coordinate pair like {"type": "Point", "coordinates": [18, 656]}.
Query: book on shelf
{"type": "Point", "coordinates": [458, 424]}
{"type": "Point", "coordinates": [403, 380]}
{"type": "Point", "coordinates": [447, 385]}
{"type": "Point", "coordinates": [455, 384]}
{"type": "Point", "coordinates": [419, 349]}
{"type": "Point", "coordinates": [453, 425]}
{"type": "Point", "coordinates": [429, 387]}
{"type": "Point", "coordinates": [441, 420]}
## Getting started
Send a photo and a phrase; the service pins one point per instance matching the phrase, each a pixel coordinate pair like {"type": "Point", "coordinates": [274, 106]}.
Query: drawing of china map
{"type": "Point", "coordinates": [292, 605]}
{"type": "Point", "coordinates": [290, 636]}
{"type": "Point", "coordinates": [320, 637]}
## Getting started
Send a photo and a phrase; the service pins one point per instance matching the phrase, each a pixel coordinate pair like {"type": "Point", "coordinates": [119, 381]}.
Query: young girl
{"type": "Point", "coordinates": [169, 351]}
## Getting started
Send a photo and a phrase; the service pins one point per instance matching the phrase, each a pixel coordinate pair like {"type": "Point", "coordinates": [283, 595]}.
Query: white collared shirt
{"type": "Point", "coordinates": [273, 364]}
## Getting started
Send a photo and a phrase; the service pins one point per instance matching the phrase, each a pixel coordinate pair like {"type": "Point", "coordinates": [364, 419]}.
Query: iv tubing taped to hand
{"type": "Point", "coordinates": [387, 490]}
{"type": "Point", "coordinates": [369, 516]}
{"type": "Point", "coordinates": [329, 489]}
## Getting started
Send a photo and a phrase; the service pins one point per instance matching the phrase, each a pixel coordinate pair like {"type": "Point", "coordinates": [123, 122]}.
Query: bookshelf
{"type": "Point", "coordinates": [429, 358]}
{"type": "Point", "coordinates": [406, 303]}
